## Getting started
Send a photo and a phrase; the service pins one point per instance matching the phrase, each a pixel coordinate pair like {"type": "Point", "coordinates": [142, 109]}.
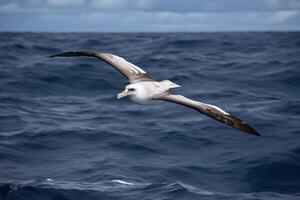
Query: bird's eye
{"type": "Point", "coordinates": [131, 89]}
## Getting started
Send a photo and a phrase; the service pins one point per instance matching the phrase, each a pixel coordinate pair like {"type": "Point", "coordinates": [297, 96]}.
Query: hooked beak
{"type": "Point", "coordinates": [123, 94]}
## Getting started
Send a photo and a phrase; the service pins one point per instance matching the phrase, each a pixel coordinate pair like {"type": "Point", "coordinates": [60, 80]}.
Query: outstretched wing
{"type": "Point", "coordinates": [132, 72]}
{"type": "Point", "coordinates": [211, 111]}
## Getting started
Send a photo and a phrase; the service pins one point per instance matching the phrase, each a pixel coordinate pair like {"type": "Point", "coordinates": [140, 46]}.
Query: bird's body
{"type": "Point", "coordinates": [147, 92]}
{"type": "Point", "coordinates": [144, 90]}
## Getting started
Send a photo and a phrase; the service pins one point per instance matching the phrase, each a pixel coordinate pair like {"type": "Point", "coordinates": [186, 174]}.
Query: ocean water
{"type": "Point", "coordinates": [64, 135]}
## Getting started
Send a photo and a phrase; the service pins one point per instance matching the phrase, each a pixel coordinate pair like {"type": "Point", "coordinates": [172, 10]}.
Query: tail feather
{"type": "Point", "coordinates": [169, 84]}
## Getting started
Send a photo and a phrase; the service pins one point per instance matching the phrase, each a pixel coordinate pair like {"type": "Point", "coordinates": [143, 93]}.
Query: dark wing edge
{"type": "Point", "coordinates": [127, 69]}
{"type": "Point", "coordinates": [211, 111]}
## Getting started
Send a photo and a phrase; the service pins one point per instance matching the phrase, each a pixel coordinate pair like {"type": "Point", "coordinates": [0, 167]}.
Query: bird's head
{"type": "Point", "coordinates": [130, 90]}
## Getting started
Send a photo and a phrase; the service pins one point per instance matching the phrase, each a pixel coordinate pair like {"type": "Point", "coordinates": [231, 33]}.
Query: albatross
{"type": "Point", "coordinates": [143, 89]}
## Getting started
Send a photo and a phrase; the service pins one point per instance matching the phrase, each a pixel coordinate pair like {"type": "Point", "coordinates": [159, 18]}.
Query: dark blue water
{"type": "Point", "coordinates": [64, 135]}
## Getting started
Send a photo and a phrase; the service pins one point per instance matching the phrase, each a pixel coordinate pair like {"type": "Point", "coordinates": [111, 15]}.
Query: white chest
{"type": "Point", "coordinates": [146, 91]}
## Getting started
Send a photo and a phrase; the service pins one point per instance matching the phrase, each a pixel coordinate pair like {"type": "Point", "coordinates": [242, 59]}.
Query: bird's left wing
{"type": "Point", "coordinates": [211, 111]}
{"type": "Point", "coordinates": [132, 72]}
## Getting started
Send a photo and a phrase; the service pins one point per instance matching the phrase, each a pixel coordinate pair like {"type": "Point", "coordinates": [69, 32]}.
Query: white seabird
{"type": "Point", "coordinates": [143, 89]}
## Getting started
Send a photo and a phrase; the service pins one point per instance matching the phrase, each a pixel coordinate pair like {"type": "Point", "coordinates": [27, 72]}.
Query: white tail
{"type": "Point", "coordinates": [169, 84]}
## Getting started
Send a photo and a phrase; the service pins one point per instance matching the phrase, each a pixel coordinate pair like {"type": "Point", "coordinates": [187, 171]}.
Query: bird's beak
{"type": "Point", "coordinates": [123, 94]}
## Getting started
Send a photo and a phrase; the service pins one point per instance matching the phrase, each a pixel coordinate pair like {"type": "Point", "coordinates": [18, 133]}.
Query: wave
{"type": "Point", "coordinates": [115, 189]}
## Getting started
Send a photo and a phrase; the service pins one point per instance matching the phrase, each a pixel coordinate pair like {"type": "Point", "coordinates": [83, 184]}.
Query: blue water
{"type": "Point", "coordinates": [64, 135]}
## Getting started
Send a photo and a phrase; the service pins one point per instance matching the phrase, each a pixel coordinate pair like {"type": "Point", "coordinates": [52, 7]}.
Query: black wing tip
{"type": "Point", "coordinates": [248, 129]}
{"type": "Point", "coordinates": [73, 53]}
{"type": "Point", "coordinates": [66, 54]}
{"type": "Point", "coordinates": [59, 55]}
{"type": "Point", "coordinates": [255, 133]}
{"type": "Point", "coordinates": [242, 126]}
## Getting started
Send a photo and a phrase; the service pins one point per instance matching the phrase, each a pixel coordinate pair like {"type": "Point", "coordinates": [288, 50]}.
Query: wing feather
{"type": "Point", "coordinates": [132, 72]}
{"type": "Point", "coordinates": [211, 111]}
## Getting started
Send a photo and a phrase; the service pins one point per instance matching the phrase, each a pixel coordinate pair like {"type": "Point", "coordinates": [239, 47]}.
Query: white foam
{"type": "Point", "coordinates": [193, 189]}
{"type": "Point", "coordinates": [122, 182]}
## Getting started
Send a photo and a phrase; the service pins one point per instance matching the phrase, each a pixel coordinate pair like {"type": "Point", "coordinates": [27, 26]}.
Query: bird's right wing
{"type": "Point", "coordinates": [132, 72]}
{"type": "Point", "coordinates": [211, 111]}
